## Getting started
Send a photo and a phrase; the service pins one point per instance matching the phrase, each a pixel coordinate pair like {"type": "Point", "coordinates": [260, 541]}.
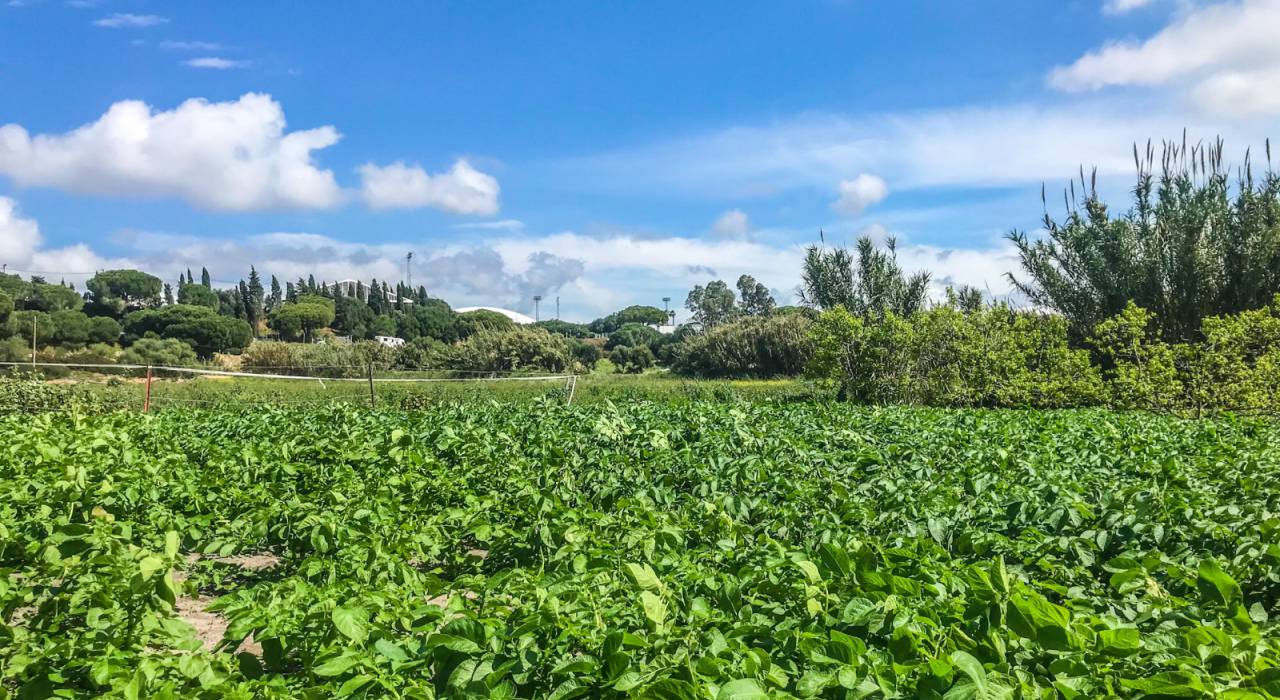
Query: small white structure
{"type": "Point", "coordinates": [513, 315]}
{"type": "Point", "coordinates": [389, 340]}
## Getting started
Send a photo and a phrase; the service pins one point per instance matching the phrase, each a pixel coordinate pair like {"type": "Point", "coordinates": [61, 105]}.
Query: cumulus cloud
{"type": "Point", "coordinates": [461, 190]}
{"type": "Point", "coordinates": [859, 193]}
{"type": "Point", "coordinates": [125, 20]}
{"type": "Point", "coordinates": [215, 63]}
{"type": "Point", "coordinates": [229, 156]}
{"type": "Point", "coordinates": [732, 224]}
{"type": "Point", "coordinates": [1222, 50]}
{"type": "Point", "coordinates": [22, 249]}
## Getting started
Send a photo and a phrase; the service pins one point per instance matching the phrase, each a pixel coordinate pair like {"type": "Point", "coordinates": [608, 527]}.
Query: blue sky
{"type": "Point", "coordinates": [607, 153]}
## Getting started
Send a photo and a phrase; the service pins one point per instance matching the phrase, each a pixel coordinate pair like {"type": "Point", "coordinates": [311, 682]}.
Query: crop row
{"type": "Point", "coordinates": [709, 550]}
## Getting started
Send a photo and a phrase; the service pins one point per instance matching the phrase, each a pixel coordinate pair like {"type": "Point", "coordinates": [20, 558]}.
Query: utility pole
{"type": "Point", "coordinates": [666, 308]}
{"type": "Point", "coordinates": [557, 307]}
{"type": "Point", "coordinates": [537, 298]}
{"type": "Point", "coordinates": [33, 342]}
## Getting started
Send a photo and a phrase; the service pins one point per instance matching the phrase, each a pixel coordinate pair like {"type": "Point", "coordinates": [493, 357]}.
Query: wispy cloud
{"type": "Point", "coordinates": [171, 45]}
{"type": "Point", "coordinates": [125, 20]}
{"type": "Point", "coordinates": [215, 63]}
{"type": "Point", "coordinates": [499, 225]}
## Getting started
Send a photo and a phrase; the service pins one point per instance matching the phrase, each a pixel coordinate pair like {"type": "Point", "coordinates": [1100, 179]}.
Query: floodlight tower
{"type": "Point", "coordinates": [537, 298]}
{"type": "Point", "coordinates": [666, 308]}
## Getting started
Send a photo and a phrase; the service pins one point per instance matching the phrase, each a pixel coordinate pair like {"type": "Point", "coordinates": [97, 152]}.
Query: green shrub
{"type": "Point", "coordinates": [269, 356]}
{"type": "Point", "coordinates": [169, 352]}
{"type": "Point", "coordinates": [632, 360]}
{"type": "Point", "coordinates": [423, 353]}
{"type": "Point", "coordinates": [521, 348]}
{"type": "Point", "coordinates": [753, 347]}
{"type": "Point", "coordinates": [198, 326]}
{"type": "Point", "coordinates": [944, 357]}
{"type": "Point", "coordinates": [473, 322]}
{"type": "Point", "coordinates": [633, 335]}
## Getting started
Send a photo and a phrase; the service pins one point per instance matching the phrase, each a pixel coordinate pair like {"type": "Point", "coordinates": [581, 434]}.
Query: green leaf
{"type": "Point", "coordinates": [644, 577]}
{"type": "Point", "coordinates": [336, 666]}
{"type": "Point", "coordinates": [810, 571]}
{"type": "Point", "coordinates": [1120, 642]}
{"type": "Point", "coordinates": [1178, 684]}
{"type": "Point", "coordinates": [668, 689]}
{"type": "Point", "coordinates": [353, 623]}
{"type": "Point", "coordinates": [1215, 585]}
{"type": "Point", "coordinates": [654, 608]}
{"type": "Point", "coordinates": [742, 689]}
{"type": "Point", "coordinates": [149, 566]}
{"type": "Point", "coordinates": [391, 650]}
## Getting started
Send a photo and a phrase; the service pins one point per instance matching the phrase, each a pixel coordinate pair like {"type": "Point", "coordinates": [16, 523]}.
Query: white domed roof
{"type": "Point", "coordinates": [513, 315]}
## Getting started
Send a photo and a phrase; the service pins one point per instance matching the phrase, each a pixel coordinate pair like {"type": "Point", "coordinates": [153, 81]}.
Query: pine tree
{"type": "Point", "coordinates": [290, 293]}
{"type": "Point", "coordinates": [204, 278]}
{"type": "Point", "coordinates": [276, 295]}
{"type": "Point", "coordinates": [422, 294]}
{"type": "Point", "coordinates": [360, 290]}
{"type": "Point", "coordinates": [375, 297]}
{"type": "Point", "coordinates": [168, 294]}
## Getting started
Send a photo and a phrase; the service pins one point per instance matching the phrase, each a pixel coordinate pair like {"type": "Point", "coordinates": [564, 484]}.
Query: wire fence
{"type": "Point", "coordinates": [149, 387]}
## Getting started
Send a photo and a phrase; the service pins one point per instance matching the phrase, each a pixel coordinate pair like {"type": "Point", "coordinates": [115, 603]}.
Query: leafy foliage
{"type": "Point", "coordinates": [946, 357]}
{"type": "Point", "coordinates": [868, 284]}
{"type": "Point", "coordinates": [710, 550]}
{"type": "Point", "coordinates": [750, 347]}
{"type": "Point", "coordinates": [712, 305]}
{"type": "Point", "coordinates": [1187, 249]}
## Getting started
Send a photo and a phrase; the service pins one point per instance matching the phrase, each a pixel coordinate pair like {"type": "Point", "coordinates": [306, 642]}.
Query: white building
{"type": "Point", "coordinates": [513, 315]}
{"type": "Point", "coordinates": [389, 340]}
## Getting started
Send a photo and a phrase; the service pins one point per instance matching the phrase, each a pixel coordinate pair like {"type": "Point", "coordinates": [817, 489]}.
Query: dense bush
{"type": "Point", "coordinates": [473, 322]}
{"type": "Point", "coordinates": [586, 353]}
{"type": "Point", "coordinates": [6, 306]}
{"type": "Point", "coordinates": [1235, 367]}
{"type": "Point", "coordinates": [29, 393]}
{"type": "Point", "coordinates": [943, 357]}
{"type": "Point", "coordinates": [572, 330]}
{"type": "Point", "coordinates": [198, 326]}
{"type": "Point", "coordinates": [169, 352]}
{"type": "Point", "coordinates": [424, 353]}
{"type": "Point", "coordinates": [520, 348]}
{"type": "Point", "coordinates": [632, 360]}
{"type": "Point", "coordinates": [767, 346]}
{"type": "Point", "coordinates": [634, 335]}
{"type": "Point", "coordinates": [1193, 245]}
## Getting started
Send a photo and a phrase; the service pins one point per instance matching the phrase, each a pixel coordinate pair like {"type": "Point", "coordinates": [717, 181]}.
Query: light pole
{"type": "Point", "coordinates": [536, 299]}
{"type": "Point", "coordinates": [666, 308]}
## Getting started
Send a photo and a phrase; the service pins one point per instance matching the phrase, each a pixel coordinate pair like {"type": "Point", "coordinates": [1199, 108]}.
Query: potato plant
{"type": "Point", "coordinates": [703, 550]}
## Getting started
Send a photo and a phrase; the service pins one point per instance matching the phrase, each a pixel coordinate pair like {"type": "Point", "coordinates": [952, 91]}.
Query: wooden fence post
{"type": "Point", "coordinates": [373, 398]}
{"type": "Point", "coordinates": [146, 399]}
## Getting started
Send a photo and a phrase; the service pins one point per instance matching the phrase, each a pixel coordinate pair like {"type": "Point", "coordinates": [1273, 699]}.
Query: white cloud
{"type": "Point", "coordinates": [171, 45]}
{"type": "Point", "coordinates": [215, 63]}
{"type": "Point", "coordinates": [121, 20]}
{"type": "Point", "coordinates": [499, 225]}
{"type": "Point", "coordinates": [230, 156]}
{"type": "Point", "coordinates": [732, 224]}
{"type": "Point", "coordinates": [1221, 50]}
{"type": "Point", "coordinates": [859, 193]}
{"type": "Point", "coordinates": [996, 146]}
{"type": "Point", "coordinates": [22, 248]}
{"type": "Point", "coordinates": [462, 190]}
{"type": "Point", "coordinates": [1119, 7]}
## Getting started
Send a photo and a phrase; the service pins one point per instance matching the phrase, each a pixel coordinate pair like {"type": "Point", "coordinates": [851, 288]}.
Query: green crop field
{"type": "Point", "coordinates": [703, 549]}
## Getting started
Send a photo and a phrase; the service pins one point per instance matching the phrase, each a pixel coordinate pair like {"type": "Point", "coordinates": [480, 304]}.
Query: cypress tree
{"type": "Point", "coordinates": [204, 278]}
{"type": "Point", "coordinates": [276, 295]}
